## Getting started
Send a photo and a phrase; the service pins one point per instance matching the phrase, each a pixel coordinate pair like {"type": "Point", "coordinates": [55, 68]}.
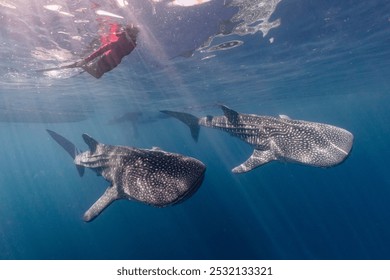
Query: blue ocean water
{"type": "Point", "coordinates": [327, 61]}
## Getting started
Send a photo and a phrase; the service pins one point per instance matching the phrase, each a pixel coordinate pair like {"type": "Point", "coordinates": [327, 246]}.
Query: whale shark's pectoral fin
{"type": "Point", "coordinates": [230, 114]}
{"type": "Point", "coordinates": [256, 159]}
{"type": "Point", "coordinates": [109, 196]}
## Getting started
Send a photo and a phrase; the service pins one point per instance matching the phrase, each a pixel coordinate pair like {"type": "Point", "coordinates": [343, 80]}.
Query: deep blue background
{"type": "Point", "coordinates": [329, 62]}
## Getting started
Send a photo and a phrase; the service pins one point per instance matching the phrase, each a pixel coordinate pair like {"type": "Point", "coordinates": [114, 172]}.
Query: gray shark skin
{"type": "Point", "coordinates": [151, 176]}
{"type": "Point", "coordinates": [277, 138]}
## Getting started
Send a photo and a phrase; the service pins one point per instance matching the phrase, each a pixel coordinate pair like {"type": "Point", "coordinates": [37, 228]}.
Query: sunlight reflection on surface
{"type": "Point", "coordinates": [188, 3]}
{"type": "Point", "coordinates": [171, 43]}
{"type": "Point", "coordinates": [44, 35]}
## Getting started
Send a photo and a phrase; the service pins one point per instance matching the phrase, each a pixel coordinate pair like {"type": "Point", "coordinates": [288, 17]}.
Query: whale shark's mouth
{"type": "Point", "coordinates": [193, 189]}
{"type": "Point", "coordinates": [338, 148]}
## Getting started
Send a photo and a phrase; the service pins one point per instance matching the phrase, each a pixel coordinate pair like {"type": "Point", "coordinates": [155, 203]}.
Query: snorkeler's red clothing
{"type": "Point", "coordinates": [114, 46]}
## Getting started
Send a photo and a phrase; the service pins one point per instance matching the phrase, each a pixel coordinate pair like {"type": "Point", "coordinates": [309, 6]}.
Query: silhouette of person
{"type": "Point", "coordinates": [119, 42]}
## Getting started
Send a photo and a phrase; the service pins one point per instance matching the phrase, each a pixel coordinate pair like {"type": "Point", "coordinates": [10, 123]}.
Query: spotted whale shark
{"type": "Point", "coordinates": [277, 138]}
{"type": "Point", "coordinates": [151, 176]}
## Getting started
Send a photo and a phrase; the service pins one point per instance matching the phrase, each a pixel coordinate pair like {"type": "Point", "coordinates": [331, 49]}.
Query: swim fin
{"type": "Point", "coordinates": [76, 64]}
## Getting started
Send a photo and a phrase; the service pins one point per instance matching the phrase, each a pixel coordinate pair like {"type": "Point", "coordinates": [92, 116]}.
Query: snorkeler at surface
{"type": "Point", "coordinates": [119, 42]}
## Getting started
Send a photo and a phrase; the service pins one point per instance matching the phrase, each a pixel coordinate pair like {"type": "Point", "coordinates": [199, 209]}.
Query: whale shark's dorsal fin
{"type": "Point", "coordinates": [92, 143]}
{"type": "Point", "coordinates": [284, 117]}
{"type": "Point", "coordinates": [256, 159]}
{"type": "Point", "coordinates": [230, 114]}
{"type": "Point", "coordinates": [109, 196]}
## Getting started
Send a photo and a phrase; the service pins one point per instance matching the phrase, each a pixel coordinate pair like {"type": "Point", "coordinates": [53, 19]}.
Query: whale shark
{"type": "Point", "coordinates": [151, 176]}
{"type": "Point", "coordinates": [277, 138]}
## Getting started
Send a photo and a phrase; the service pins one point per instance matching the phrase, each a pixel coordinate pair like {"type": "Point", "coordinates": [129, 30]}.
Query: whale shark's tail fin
{"type": "Point", "coordinates": [68, 146]}
{"type": "Point", "coordinates": [188, 119]}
